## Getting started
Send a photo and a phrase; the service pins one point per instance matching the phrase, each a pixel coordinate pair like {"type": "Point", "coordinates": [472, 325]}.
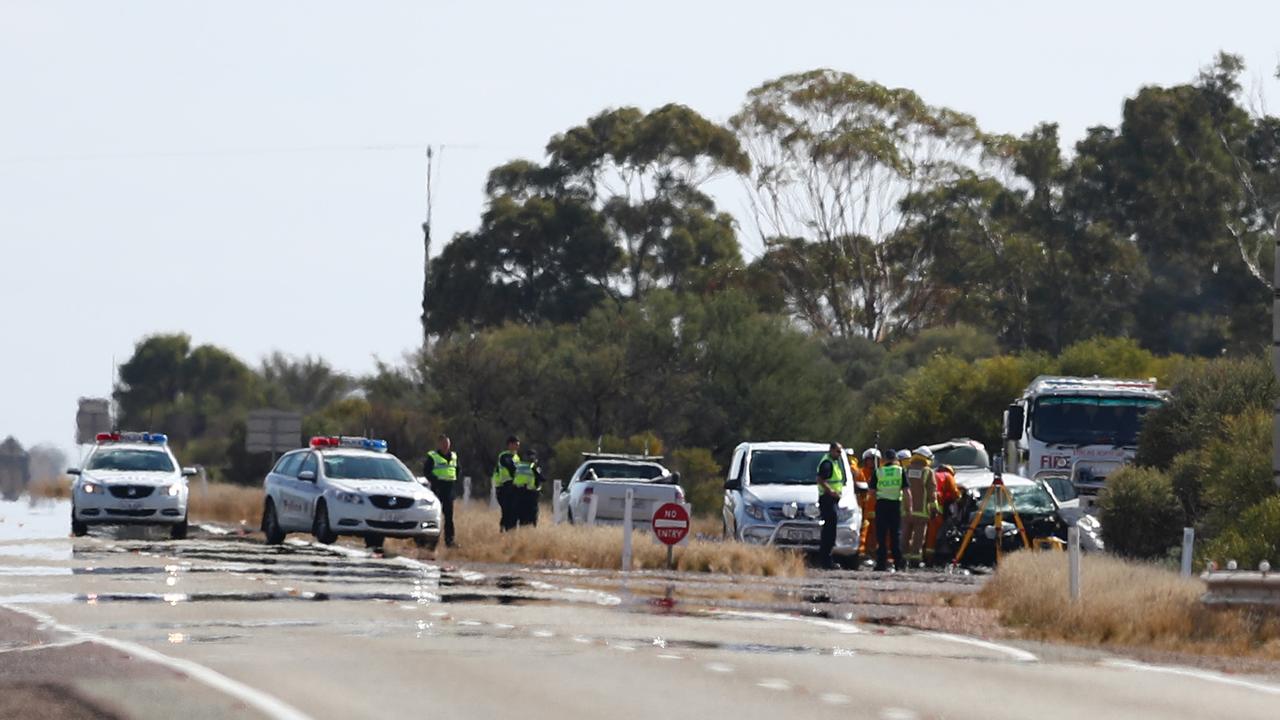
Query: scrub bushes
{"type": "Point", "coordinates": [1253, 538]}
{"type": "Point", "coordinates": [1143, 516]}
{"type": "Point", "coordinates": [701, 478]}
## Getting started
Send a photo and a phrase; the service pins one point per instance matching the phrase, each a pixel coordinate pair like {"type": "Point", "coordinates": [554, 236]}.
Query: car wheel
{"type": "Point", "coordinates": [271, 524]}
{"type": "Point", "coordinates": [422, 542]}
{"type": "Point", "coordinates": [179, 531]}
{"type": "Point", "coordinates": [320, 526]}
{"type": "Point", "coordinates": [78, 528]}
{"type": "Point", "coordinates": [374, 542]}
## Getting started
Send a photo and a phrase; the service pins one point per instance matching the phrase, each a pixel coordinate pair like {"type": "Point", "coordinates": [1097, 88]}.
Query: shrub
{"type": "Point", "coordinates": [1253, 538]}
{"type": "Point", "coordinates": [1204, 395]}
{"type": "Point", "coordinates": [1142, 516]}
{"type": "Point", "coordinates": [701, 478]}
{"type": "Point", "coordinates": [1237, 470]}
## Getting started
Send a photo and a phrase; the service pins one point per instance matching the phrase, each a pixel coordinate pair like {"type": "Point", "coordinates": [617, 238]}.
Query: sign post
{"type": "Point", "coordinates": [273, 431]}
{"type": "Point", "coordinates": [671, 527]}
{"type": "Point", "coordinates": [93, 416]}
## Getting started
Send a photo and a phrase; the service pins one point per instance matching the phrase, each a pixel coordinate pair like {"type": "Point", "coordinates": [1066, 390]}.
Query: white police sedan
{"type": "Point", "coordinates": [130, 478]}
{"type": "Point", "coordinates": [347, 486]}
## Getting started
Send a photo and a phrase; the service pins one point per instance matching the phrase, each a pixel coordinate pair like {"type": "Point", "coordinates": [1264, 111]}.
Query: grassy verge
{"type": "Point", "coordinates": [601, 547]}
{"type": "Point", "coordinates": [1123, 604]}
{"type": "Point", "coordinates": [479, 539]}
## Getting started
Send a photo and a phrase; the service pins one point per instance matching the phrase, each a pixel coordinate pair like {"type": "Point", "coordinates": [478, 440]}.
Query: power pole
{"type": "Point", "coordinates": [426, 253]}
{"type": "Point", "coordinates": [1275, 354]}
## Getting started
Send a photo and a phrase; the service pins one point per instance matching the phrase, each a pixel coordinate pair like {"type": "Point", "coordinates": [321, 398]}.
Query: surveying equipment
{"type": "Point", "coordinates": [1001, 491]}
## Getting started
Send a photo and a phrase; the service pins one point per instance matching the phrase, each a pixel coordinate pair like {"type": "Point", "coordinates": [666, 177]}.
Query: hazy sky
{"type": "Point", "coordinates": [251, 173]}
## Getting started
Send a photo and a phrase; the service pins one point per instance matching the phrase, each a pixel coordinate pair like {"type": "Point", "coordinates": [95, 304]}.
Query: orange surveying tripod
{"type": "Point", "coordinates": [997, 488]}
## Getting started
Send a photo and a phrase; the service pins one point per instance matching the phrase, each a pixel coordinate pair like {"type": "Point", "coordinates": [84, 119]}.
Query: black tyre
{"type": "Point", "coordinates": [422, 542]}
{"type": "Point", "coordinates": [320, 526]}
{"type": "Point", "coordinates": [179, 531]}
{"type": "Point", "coordinates": [374, 542]}
{"type": "Point", "coordinates": [78, 528]}
{"type": "Point", "coordinates": [271, 524]}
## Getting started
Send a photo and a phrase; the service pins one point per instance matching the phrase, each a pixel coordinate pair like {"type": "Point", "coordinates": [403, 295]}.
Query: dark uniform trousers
{"type": "Point", "coordinates": [827, 511]}
{"type": "Point", "coordinates": [508, 502]}
{"type": "Point", "coordinates": [888, 528]}
{"type": "Point", "coordinates": [444, 493]}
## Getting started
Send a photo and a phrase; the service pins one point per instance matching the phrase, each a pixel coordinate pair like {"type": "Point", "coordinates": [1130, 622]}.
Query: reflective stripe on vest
{"type": "Point", "coordinates": [501, 476]}
{"type": "Point", "coordinates": [889, 483]}
{"type": "Point", "coordinates": [836, 481]}
{"type": "Point", "coordinates": [443, 468]}
{"type": "Point", "coordinates": [524, 475]}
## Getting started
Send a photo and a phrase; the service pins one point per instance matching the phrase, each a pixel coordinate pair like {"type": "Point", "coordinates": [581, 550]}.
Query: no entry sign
{"type": "Point", "coordinates": [671, 524]}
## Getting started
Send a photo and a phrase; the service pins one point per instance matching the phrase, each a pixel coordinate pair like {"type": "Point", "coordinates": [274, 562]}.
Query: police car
{"type": "Point", "coordinates": [347, 486]}
{"type": "Point", "coordinates": [130, 478]}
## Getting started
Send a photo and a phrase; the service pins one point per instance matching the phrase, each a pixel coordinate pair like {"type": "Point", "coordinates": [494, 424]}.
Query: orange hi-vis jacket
{"type": "Point", "coordinates": [948, 491]}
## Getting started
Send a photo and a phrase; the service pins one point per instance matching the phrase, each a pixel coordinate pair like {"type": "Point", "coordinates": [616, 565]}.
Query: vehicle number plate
{"type": "Point", "coordinates": [132, 504]}
{"type": "Point", "coordinates": [797, 534]}
{"type": "Point", "coordinates": [389, 517]}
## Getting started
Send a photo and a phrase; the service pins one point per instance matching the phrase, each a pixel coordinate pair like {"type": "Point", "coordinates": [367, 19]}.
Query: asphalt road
{"type": "Point", "coordinates": [127, 625]}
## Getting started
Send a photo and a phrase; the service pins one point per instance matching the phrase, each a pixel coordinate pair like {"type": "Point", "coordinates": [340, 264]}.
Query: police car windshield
{"type": "Point", "coordinates": [1084, 420]}
{"type": "Point", "coordinates": [365, 467]}
{"type": "Point", "coordinates": [623, 471]}
{"type": "Point", "coordinates": [131, 460]}
{"type": "Point", "coordinates": [785, 467]}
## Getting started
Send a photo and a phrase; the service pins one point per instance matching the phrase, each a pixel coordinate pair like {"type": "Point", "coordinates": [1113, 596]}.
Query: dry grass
{"type": "Point", "coordinates": [601, 547]}
{"type": "Point", "coordinates": [1124, 604]}
{"type": "Point", "coordinates": [50, 487]}
{"type": "Point", "coordinates": [223, 502]}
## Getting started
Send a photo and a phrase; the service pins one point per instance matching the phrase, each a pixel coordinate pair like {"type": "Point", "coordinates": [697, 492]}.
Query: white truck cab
{"type": "Point", "coordinates": [1084, 428]}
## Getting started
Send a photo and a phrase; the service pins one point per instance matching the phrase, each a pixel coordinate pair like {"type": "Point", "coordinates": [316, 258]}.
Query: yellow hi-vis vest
{"type": "Point", "coordinates": [836, 481]}
{"type": "Point", "coordinates": [443, 468]}
{"type": "Point", "coordinates": [889, 483]}
{"type": "Point", "coordinates": [501, 476]}
{"type": "Point", "coordinates": [525, 478]}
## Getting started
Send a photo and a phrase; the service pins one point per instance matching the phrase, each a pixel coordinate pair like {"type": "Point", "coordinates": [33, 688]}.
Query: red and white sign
{"type": "Point", "coordinates": [671, 524]}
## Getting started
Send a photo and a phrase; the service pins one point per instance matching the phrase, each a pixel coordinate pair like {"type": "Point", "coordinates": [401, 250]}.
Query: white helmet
{"type": "Point", "coordinates": [904, 455]}
{"type": "Point", "coordinates": [924, 452]}
{"type": "Point", "coordinates": [871, 453]}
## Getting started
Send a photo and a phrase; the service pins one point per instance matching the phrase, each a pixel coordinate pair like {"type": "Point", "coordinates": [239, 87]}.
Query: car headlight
{"type": "Point", "coordinates": [754, 511]}
{"type": "Point", "coordinates": [174, 489]}
{"type": "Point", "coordinates": [426, 501]}
{"type": "Point", "coordinates": [350, 497]}
{"type": "Point", "coordinates": [91, 488]}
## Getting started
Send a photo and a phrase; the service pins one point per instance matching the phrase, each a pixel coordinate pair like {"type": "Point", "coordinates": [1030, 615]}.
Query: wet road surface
{"type": "Point", "coordinates": [127, 625]}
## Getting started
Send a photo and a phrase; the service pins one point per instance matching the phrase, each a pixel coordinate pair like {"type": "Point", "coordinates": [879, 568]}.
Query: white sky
{"type": "Point", "coordinates": [196, 166]}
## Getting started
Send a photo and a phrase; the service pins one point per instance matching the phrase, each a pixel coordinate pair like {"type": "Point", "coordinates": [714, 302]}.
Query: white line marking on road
{"type": "Point", "coordinates": [1013, 652]}
{"type": "Point", "coordinates": [897, 713]}
{"type": "Point", "coordinates": [1193, 673]}
{"type": "Point", "coordinates": [836, 699]}
{"type": "Point", "coordinates": [45, 646]}
{"type": "Point", "coordinates": [264, 703]}
{"type": "Point", "coordinates": [716, 667]}
{"type": "Point", "coordinates": [669, 656]}
{"type": "Point", "coordinates": [774, 684]}
{"type": "Point", "coordinates": [845, 628]}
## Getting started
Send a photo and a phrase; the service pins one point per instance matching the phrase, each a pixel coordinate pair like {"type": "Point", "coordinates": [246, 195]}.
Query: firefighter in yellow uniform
{"type": "Point", "coordinates": [923, 505]}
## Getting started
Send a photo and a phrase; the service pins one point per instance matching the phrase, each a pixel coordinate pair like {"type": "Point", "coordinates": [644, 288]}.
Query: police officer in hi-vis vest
{"type": "Point", "coordinates": [504, 476]}
{"type": "Point", "coordinates": [830, 487]}
{"type": "Point", "coordinates": [891, 492]}
{"type": "Point", "coordinates": [441, 468]}
{"type": "Point", "coordinates": [528, 485]}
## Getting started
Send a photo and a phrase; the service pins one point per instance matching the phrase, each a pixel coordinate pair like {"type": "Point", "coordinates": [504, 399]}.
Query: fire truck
{"type": "Point", "coordinates": [1082, 429]}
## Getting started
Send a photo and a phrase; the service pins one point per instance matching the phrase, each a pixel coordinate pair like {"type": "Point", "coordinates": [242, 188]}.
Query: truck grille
{"type": "Point", "coordinates": [131, 491]}
{"type": "Point", "coordinates": [391, 502]}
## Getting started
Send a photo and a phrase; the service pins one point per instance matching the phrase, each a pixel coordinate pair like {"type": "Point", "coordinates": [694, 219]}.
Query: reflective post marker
{"type": "Point", "coordinates": [626, 529]}
{"type": "Point", "coordinates": [556, 510]}
{"type": "Point", "coordinates": [493, 496]}
{"type": "Point", "coordinates": [1188, 545]}
{"type": "Point", "coordinates": [466, 490]}
{"type": "Point", "coordinates": [591, 509]}
{"type": "Point", "coordinates": [1073, 562]}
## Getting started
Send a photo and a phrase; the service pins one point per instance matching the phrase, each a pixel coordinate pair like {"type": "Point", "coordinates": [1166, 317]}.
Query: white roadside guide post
{"type": "Point", "coordinates": [1073, 562]}
{"type": "Point", "coordinates": [493, 496]}
{"type": "Point", "coordinates": [1188, 544]}
{"type": "Point", "coordinates": [1275, 358]}
{"type": "Point", "coordinates": [466, 489]}
{"type": "Point", "coordinates": [626, 529]}
{"type": "Point", "coordinates": [556, 511]}
{"type": "Point", "coordinates": [591, 509]}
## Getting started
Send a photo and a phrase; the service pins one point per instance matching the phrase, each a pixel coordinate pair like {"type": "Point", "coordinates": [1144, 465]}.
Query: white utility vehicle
{"type": "Point", "coordinates": [347, 486]}
{"type": "Point", "coordinates": [1085, 428]}
{"type": "Point", "coordinates": [771, 498]}
{"type": "Point", "coordinates": [604, 478]}
{"type": "Point", "coordinates": [130, 478]}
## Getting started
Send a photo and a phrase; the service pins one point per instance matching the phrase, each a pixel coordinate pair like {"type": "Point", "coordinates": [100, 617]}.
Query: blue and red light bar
{"type": "Point", "coordinates": [355, 443]}
{"type": "Point", "coordinates": [132, 437]}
